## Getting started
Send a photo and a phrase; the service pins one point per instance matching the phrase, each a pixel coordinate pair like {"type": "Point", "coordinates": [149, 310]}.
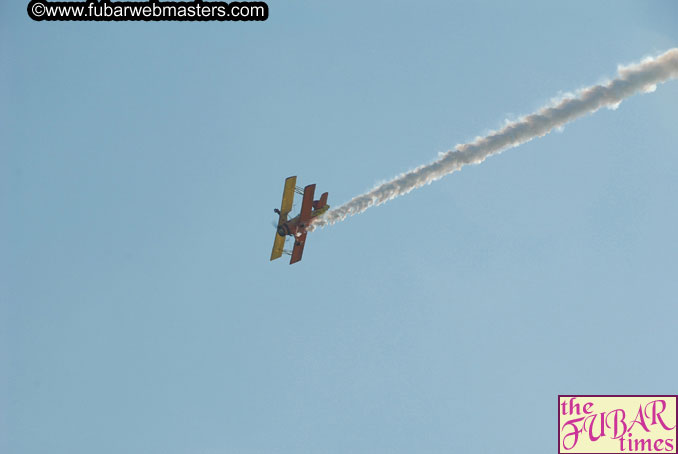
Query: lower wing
{"type": "Point", "coordinates": [278, 246]}
{"type": "Point", "coordinates": [298, 250]}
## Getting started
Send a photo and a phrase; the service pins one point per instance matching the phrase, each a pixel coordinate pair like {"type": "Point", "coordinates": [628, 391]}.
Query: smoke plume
{"type": "Point", "coordinates": [640, 77]}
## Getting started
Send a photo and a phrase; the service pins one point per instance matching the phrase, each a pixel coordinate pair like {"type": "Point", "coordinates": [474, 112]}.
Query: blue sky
{"type": "Point", "coordinates": [140, 165]}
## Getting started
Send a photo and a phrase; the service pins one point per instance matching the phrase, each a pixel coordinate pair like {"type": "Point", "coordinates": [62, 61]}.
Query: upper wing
{"type": "Point", "coordinates": [298, 250]}
{"type": "Point", "coordinates": [307, 205]}
{"type": "Point", "coordinates": [278, 246]}
{"type": "Point", "coordinates": [287, 198]}
{"type": "Point", "coordinates": [285, 208]}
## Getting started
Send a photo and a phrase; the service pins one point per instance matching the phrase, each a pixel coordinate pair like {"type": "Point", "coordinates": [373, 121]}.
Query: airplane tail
{"type": "Point", "coordinates": [318, 204]}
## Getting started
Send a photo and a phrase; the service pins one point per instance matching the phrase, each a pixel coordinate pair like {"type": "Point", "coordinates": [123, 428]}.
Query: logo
{"type": "Point", "coordinates": [617, 424]}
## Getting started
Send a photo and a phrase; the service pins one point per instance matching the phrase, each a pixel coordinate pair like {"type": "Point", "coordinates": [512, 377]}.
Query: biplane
{"type": "Point", "coordinates": [296, 227]}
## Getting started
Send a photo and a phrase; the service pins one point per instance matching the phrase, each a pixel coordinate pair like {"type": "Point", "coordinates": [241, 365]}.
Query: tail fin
{"type": "Point", "coordinates": [318, 204]}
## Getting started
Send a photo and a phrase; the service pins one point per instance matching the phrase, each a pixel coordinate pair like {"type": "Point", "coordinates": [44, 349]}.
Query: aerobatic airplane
{"type": "Point", "coordinates": [296, 227]}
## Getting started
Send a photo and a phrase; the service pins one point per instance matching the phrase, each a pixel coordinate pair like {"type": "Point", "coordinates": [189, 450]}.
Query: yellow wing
{"type": "Point", "coordinates": [278, 246]}
{"type": "Point", "coordinates": [285, 208]}
{"type": "Point", "coordinates": [287, 199]}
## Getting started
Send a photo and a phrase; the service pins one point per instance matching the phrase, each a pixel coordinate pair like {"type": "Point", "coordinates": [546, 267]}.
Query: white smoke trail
{"type": "Point", "coordinates": [640, 77]}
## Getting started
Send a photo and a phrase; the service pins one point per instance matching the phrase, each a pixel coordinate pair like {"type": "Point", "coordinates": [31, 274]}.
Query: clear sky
{"type": "Point", "coordinates": [139, 167]}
